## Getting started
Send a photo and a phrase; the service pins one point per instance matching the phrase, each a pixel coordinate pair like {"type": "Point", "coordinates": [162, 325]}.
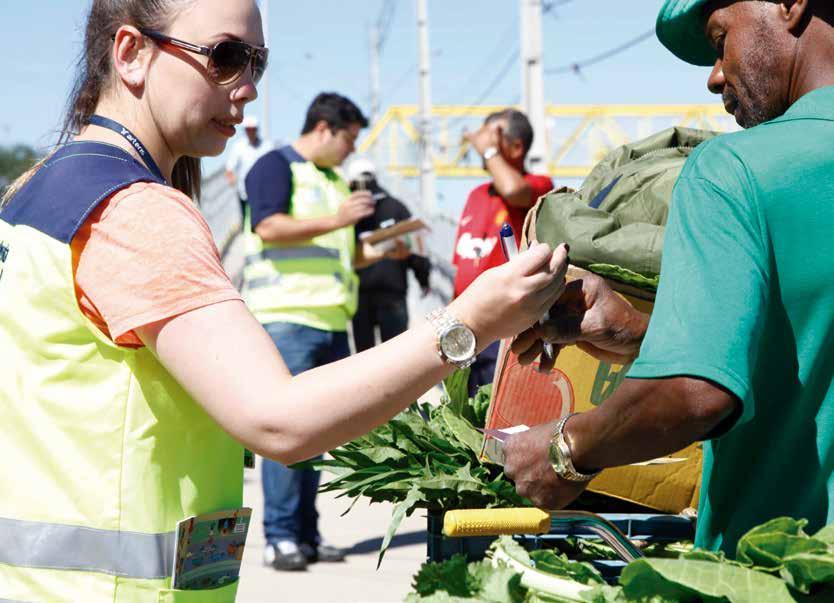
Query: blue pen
{"type": "Point", "coordinates": [508, 245]}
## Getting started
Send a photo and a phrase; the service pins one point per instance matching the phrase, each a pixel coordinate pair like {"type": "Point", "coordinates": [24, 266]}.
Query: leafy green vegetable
{"type": "Point", "coordinates": [624, 275]}
{"type": "Point", "coordinates": [777, 562]}
{"type": "Point", "coordinates": [425, 457]}
{"type": "Point", "coordinates": [559, 565]}
{"type": "Point", "coordinates": [452, 576]}
{"type": "Point", "coordinates": [688, 580]}
{"type": "Point", "coordinates": [455, 581]}
{"type": "Point", "coordinates": [781, 546]}
{"type": "Point", "coordinates": [456, 388]}
{"type": "Point", "coordinates": [480, 405]}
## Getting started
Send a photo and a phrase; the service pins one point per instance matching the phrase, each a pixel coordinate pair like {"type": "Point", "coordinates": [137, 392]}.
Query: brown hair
{"type": "Point", "coordinates": [94, 74]}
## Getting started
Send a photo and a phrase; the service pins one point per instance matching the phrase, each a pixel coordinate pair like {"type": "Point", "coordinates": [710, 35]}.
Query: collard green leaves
{"type": "Point", "coordinates": [687, 580]}
{"type": "Point", "coordinates": [777, 562]}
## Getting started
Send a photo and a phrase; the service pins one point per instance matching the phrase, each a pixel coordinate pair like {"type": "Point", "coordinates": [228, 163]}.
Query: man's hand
{"type": "Point", "coordinates": [488, 135]}
{"type": "Point", "coordinates": [590, 315]}
{"type": "Point", "coordinates": [527, 463]}
{"type": "Point", "coordinates": [359, 205]}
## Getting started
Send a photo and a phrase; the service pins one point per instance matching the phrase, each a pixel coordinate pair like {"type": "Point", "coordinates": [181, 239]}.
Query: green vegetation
{"type": "Point", "coordinates": [14, 161]}
{"type": "Point", "coordinates": [426, 457]}
{"type": "Point", "coordinates": [776, 562]}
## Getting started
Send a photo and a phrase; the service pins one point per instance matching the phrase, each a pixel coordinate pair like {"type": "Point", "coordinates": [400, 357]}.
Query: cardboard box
{"type": "Point", "coordinates": [579, 382]}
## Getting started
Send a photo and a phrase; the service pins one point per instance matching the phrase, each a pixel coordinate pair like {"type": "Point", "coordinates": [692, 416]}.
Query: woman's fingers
{"type": "Point", "coordinates": [557, 269]}
{"type": "Point", "coordinates": [559, 259]}
{"type": "Point", "coordinates": [534, 259]}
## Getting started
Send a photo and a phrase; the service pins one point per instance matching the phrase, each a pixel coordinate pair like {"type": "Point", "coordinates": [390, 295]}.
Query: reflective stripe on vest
{"type": "Point", "coordinates": [293, 253]}
{"type": "Point", "coordinates": [56, 546]}
{"type": "Point", "coordinates": [275, 279]}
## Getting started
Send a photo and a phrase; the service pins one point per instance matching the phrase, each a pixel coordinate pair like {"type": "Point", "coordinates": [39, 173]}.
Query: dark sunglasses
{"type": "Point", "coordinates": [227, 59]}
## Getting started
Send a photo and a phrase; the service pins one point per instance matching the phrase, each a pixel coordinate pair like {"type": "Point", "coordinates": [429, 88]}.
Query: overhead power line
{"type": "Point", "coordinates": [494, 55]}
{"type": "Point", "coordinates": [578, 66]}
{"type": "Point", "coordinates": [547, 7]}
{"type": "Point", "coordinates": [384, 21]}
{"type": "Point", "coordinates": [499, 77]}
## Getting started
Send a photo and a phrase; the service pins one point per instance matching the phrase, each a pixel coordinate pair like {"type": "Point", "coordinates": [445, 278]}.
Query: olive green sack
{"type": "Point", "coordinates": [614, 223]}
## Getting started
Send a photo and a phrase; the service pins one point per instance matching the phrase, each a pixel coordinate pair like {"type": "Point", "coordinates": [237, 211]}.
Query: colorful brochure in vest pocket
{"type": "Point", "coordinates": [209, 549]}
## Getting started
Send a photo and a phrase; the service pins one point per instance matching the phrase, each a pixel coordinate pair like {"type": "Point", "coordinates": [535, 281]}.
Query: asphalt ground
{"type": "Point", "coordinates": [356, 580]}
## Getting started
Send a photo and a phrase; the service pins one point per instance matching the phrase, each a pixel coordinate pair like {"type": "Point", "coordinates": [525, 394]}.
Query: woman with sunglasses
{"type": "Point", "coordinates": [132, 374]}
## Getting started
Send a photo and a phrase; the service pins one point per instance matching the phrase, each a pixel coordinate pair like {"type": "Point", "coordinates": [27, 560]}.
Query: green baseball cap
{"type": "Point", "coordinates": [680, 28]}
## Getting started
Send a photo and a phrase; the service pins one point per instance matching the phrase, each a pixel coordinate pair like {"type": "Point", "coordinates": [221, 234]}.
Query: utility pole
{"type": "Point", "coordinates": [532, 80]}
{"type": "Point", "coordinates": [374, 71]}
{"type": "Point", "coordinates": [427, 190]}
{"type": "Point", "coordinates": [265, 79]}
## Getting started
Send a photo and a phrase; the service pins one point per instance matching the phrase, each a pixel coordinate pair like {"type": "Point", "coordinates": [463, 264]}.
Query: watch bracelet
{"type": "Point", "coordinates": [440, 319]}
{"type": "Point", "coordinates": [559, 441]}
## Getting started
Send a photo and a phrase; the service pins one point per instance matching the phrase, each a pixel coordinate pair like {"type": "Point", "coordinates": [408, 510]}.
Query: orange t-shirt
{"type": "Point", "coordinates": [144, 255]}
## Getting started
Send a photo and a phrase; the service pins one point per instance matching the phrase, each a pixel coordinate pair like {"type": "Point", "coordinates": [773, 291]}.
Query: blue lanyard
{"type": "Point", "coordinates": [106, 122]}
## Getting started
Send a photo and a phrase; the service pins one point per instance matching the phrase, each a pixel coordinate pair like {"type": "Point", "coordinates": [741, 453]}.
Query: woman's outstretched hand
{"type": "Point", "coordinates": [508, 299]}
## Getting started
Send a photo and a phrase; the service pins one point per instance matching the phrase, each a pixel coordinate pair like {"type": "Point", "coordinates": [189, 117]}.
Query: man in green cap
{"type": "Point", "coordinates": [739, 351]}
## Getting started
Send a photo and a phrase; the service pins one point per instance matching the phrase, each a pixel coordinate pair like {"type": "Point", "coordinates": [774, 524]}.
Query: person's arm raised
{"type": "Point", "coordinates": [223, 357]}
{"type": "Point", "coordinates": [508, 181]}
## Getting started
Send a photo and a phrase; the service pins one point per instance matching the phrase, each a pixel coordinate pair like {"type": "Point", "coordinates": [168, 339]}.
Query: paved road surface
{"type": "Point", "coordinates": [356, 580]}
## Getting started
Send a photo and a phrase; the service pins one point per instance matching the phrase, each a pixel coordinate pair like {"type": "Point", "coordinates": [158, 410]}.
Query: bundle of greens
{"type": "Point", "coordinates": [426, 457]}
{"type": "Point", "coordinates": [775, 562]}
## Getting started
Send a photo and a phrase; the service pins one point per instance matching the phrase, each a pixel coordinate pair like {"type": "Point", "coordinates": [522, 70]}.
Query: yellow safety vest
{"type": "Point", "coordinates": [103, 452]}
{"type": "Point", "coordinates": [311, 283]}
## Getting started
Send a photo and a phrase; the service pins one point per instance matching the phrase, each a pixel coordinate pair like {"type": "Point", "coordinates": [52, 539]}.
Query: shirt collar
{"type": "Point", "coordinates": [817, 103]}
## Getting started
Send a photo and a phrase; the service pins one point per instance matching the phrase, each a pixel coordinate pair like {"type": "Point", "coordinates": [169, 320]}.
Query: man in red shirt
{"type": "Point", "coordinates": [503, 142]}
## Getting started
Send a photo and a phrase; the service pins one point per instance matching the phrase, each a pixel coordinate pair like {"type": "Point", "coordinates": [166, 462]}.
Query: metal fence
{"type": "Point", "coordinates": [221, 209]}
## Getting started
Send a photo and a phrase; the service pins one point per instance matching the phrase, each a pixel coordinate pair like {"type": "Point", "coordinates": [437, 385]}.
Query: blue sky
{"type": "Point", "coordinates": [323, 45]}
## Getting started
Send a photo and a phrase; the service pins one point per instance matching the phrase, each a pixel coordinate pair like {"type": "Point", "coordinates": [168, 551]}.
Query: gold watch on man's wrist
{"type": "Point", "coordinates": [560, 456]}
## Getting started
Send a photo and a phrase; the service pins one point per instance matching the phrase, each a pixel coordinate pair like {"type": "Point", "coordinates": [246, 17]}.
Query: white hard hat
{"type": "Point", "coordinates": [250, 121]}
{"type": "Point", "coordinates": [360, 165]}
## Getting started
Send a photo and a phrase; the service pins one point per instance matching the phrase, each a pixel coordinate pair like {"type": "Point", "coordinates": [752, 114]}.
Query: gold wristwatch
{"type": "Point", "coordinates": [560, 456]}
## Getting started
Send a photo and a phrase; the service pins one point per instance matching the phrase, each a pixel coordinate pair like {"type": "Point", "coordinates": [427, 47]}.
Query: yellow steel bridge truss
{"type": "Point", "coordinates": [577, 135]}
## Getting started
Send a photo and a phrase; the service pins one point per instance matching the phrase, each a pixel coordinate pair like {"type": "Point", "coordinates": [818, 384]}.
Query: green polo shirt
{"type": "Point", "coordinates": [746, 300]}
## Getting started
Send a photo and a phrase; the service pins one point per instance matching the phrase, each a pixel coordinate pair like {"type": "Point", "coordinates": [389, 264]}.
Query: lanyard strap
{"type": "Point", "coordinates": [110, 124]}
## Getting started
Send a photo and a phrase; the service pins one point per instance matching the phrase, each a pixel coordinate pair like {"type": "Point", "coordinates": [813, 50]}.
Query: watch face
{"type": "Point", "coordinates": [458, 343]}
{"type": "Point", "coordinates": [557, 460]}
